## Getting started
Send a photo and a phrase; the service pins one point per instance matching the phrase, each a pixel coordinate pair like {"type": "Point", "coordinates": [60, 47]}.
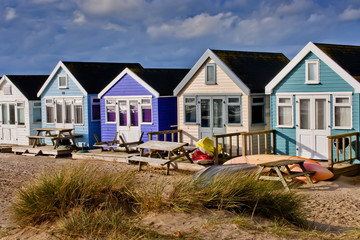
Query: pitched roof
{"type": "Point", "coordinates": [162, 80]}
{"type": "Point", "coordinates": [28, 84]}
{"type": "Point", "coordinates": [255, 69]}
{"type": "Point", "coordinates": [94, 76]}
{"type": "Point", "coordinates": [348, 57]}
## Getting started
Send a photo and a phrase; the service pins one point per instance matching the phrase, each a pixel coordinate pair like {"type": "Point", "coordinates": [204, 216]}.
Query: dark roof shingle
{"type": "Point", "coordinates": [29, 85]}
{"type": "Point", "coordinates": [255, 69]}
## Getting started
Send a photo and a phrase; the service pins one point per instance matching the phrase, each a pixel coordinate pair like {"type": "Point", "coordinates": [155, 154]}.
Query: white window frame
{"type": "Point", "coordinates": [110, 104]}
{"type": "Point", "coordinates": [278, 105]}
{"type": "Point", "coordinates": [36, 107]}
{"type": "Point", "coordinates": [258, 104]}
{"type": "Point", "coordinates": [227, 110]}
{"type": "Point", "coordinates": [190, 104]}
{"type": "Point", "coordinates": [317, 75]}
{"type": "Point", "coordinates": [95, 104]}
{"type": "Point", "coordinates": [207, 82]}
{"type": "Point", "coordinates": [49, 102]}
{"type": "Point", "coordinates": [7, 90]}
{"type": "Point", "coordinates": [80, 103]}
{"type": "Point", "coordinates": [342, 105]}
{"type": "Point", "coordinates": [66, 81]}
{"type": "Point", "coordinates": [146, 105]}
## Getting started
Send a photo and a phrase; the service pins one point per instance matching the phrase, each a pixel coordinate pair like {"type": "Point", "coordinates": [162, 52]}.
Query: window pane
{"type": "Point", "coordinates": [59, 118]}
{"type": "Point", "coordinates": [312, 71]}
{"type": "Point", "coordinates": [62, 81]}
{"type": "Point", "coordinates": [36, 115]}
{"type": "Point", "coordinates": [190, 100]}
{"type": "Point", "coordinates": [285, 116]}
{"type": "Point", "coordinates": [95, 109]}
{"type": "Point", "coordinates": [342, 100]}
{"type": "Point", "coordinates": [210, 73]}
{"type": "Point", "coordinates": [218, 113]}
{"type": "Point", "coordinates": [67, 112]}
{"type": "Point", "coordinates": [146, 114]}
{"type": "Point", "coordinates": [122, 113]}
{"type": "Point", "coordinates": [134, 113]}
{"type": "Point", "coordinates": [110, 113]}
{"type": "Point", "coordinates": [234, 100]}
{"type": "Point", "coordinates": [145, 101]}
{"type": "Point", "coordinates": [21, 116]}
{"type": "Point", "coordinates": [234, 114]}
{"type": "Point", "coordinates": [205, 113]}
{"type": "Point", "coordinates": [257, 114]}
{"type": "Point", "coordinates": [190, 113]}
{"type": "Point", "coordinates": [304, 113]}
{"type": "Point", "coordinates": [78, 114]}
{"type": "Point", "coordinates": [4, 113]}
{"type": "Point", "coordinates": [12, 114]}
{"type": "Point", "coordinates": [342, 116]}
{"type": "Point", "coordinates": [284, 100]}
{"type": "Point", "coordinates": [49, 114]}
{"type": "Point", "coordinates": [320, 113]}
{"type": "Point", "coordinates": [37, 104]}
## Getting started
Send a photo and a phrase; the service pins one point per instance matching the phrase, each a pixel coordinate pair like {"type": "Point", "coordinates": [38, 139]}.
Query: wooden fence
{"type": "Point", "coordinates": [168, 136]}
{"type": "Point", "coordinates": [343, 145]}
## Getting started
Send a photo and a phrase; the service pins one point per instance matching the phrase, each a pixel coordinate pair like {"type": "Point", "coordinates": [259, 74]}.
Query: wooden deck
{"type": "Point", "coordinates": [41, 150]}
{"type": "Point", "coordinates": [345, 169]}
{"type": "Point", "coordinates": [5, 148]}
{"type": "Point", "coordinates": [122, 157]}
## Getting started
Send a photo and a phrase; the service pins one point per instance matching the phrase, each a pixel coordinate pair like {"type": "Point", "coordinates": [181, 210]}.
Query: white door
{"type": "Point", "coordinates": [211, 116]}
{"type": "Point", "coordinates": [312, 126]}
{"type": "Point", "coordinates": [64, 113]}
{"type": "Point", "coordinates": [8, 123]}
{"type": "Point", "coordinates": [128, 119]}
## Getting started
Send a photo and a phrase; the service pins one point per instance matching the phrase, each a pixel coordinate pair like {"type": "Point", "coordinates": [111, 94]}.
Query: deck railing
{"type": "Point", "coordinates": [231, 146]}
{"type": "Point", "coordinates": [344, 145]}
{"type": "Point", "coordinates": [168, 136]}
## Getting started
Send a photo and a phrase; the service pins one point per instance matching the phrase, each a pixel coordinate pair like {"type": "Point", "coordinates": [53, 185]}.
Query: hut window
{"type": "Point", "coordinates": [257, 110]}
{"type": "Point", "coordinates": [312, 71]}
{"type": "Point", "coordinates": [146, 110]}
{"type": "Point", "coordinates": [110, 111]}
{"type": "Point", "coordinates": [234, 110]}
{"type": "Point", "coordinates": [190, 109]}
{"type": "Point", "coordinates": [285, 111]}
{"type": "Point", "coordinates": [4, 113]}
{"type": "Point", "coordinates": [20, 114]}
{"type": "Point", "coordinates": [95, 109]}
{"type": "Point", "coordinates": [12, 114]}
{"type": "Point", "coordinates": [210, 73]}
{"type": "Point", "coordinates": [78, 111]}
{"type": "Point", "coordinates": [49, 106]}
{"type": "Point", "coordinates": [63, 81]}
{"type": "Point", "coordinates": [342, 112]}
{"type": "Point", "coordinates": [37, 112]}
{"type": "Point", "coordinates": [7, 90]}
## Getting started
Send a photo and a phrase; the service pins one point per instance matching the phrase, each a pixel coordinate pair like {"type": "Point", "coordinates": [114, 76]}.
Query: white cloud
{"type": "Point", "coordinates": [115, 27]}
{"type": "Point", "coordinates": [79, 18]}
{"type": "Point", "coordinates": [192, 27]}
{"type": "Point", "coordinates": [10, 14]}
{"type": "Point", "coordinates": [315, 18]}
{"type": "Point", "coordinates": [350, 14]}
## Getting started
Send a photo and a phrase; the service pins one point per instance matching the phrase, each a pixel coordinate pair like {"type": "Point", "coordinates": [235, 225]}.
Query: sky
{"type": "Point", "coordinates": [36, 34]}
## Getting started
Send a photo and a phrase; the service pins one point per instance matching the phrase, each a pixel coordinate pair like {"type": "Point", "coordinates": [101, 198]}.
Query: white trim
{"type": "Point", "coordinates": [5, 78]}
{"type": "Point", "coordinates": [210, 54]}
{"type": "Point", "coordinates": [127, 97]}
{"type": "Point", "coordinates": [135, 77]}
{"type": "Point", "coordinates": [317, 76]}
{"type": "Point", "coordinates": [312, 93]}
{"type": "Point", "coordinates": [291, 104]}
{"type": "Point", "coordinates": [311, 47]}
{"type": "Point", "coordinates": [349, 96]}
{"type": "Point", "coordinates": [50, 78]}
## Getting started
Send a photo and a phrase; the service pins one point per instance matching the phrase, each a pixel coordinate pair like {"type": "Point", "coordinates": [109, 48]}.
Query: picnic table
{"type": "Point", "coordinates": [156, 151]}
{"type": "Point", "coordinates": [56, 135]}
{"type": "Point", "coordinates": [275, 167]}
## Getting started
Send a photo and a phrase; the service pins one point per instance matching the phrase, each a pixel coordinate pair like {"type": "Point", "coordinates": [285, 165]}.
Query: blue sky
{"type": "Point", "coordinates": [36, 34]}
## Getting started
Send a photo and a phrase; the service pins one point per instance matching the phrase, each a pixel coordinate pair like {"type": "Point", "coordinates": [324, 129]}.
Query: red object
{"type": "Point", "coordinates": [202, 158]}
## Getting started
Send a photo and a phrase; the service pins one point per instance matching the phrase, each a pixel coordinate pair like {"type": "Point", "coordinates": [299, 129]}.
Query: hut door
{"type": "Point", "coordinates": [63, 113]}
{"type": "Point", "coordinates": [211, 116]}
{"type": "Point", "coordinates": [8, 123]}
{"type": "Point", "coordinates": [128, 120]}
{"type": "Point", "coordinates": [312, 126]}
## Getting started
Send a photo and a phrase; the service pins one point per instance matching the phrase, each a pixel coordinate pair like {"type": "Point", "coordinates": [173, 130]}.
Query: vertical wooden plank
{"type": "Point", "coordinates": [165, 137]}
{"type": "Point", "coordinates": [237, 145]}
{"type": "Point", "coordinates": [337, 150]}
{"type": "Point", "coordinates": [331, 153]}
{"type": "Point", "coordinates": [216, 155]}
{"type": "Point", "coordinates": [180, 135]}
{"type": "Point", "coordinates": [266, 143]}
{"type": "Point", "coordinates": [357, 146]}
{"type": "Point", "coordinates": [230, 142]}
{"type": "Point", "coordinates": [259, 144]}
{"type": "Point", "coordinates": [243, 151]}
{"type": "Point", "coordinates": [343, 148]}
{"type": "Point", "coordinates": [252, 144]}
{"type": "Point", "coordinates": [273, 142]}
{"type": "Point", "coordinates": [350, 150]}
{"type": "Point", "coordinates": [223, 146]}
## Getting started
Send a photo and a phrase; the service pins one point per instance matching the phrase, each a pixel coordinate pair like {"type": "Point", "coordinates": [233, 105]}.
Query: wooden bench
{"type": "Point", "coordinates": [275, 167]}
{"type": "Point", "coordinates": [115, 144]}
{"type": "Point", "coordinates": [160, 161]}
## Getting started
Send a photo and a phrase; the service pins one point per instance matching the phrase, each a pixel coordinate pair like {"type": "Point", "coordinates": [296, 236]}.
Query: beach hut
{"type": "Point", "coordinates": [224, 92]}
{"type": "Point", "coordinates": [139, 101]}
{"type": "Point", "coordinates": [20, 108]}
{"type": "Point", "coordinates": [69, 96]}
{"type": "Point", "coordinates": [316, 95]}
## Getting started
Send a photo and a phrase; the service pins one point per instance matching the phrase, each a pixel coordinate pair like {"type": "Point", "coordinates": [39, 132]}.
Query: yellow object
{"type": "Point", "coordinates": [206, 145]}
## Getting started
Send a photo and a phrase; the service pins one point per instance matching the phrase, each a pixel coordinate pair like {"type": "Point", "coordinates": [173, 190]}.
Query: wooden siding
{"type": "Point", "coordinates": [294, 82]}
{"type": "Point", "coordinates": [52, 90]}
{"type": "Point", "coordinates": [94, 126]}
{"type": "Point", "coordinates": [224, 86]}
{"type": "Point", "coordinates": [127, 86]}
